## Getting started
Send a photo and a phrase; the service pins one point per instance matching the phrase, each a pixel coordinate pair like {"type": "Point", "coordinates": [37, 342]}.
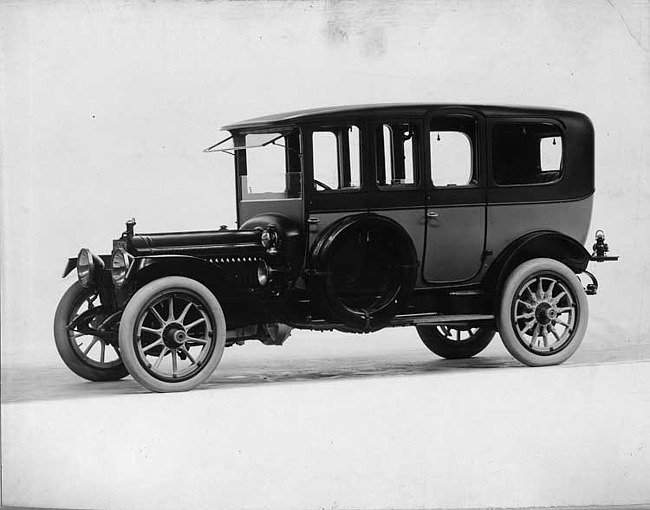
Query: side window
{"type": "Point", "coordinates": [550, 154]}
{"type": "Point", "coordinates": [337, 158]}
{"type": "Point", "coordinates": [396, 153]}
{"type": "Point", "coordinates": [266, 165]}
{"type": "Point", "coordinates": [526, 153]}
{"type": "Point", "coordinates": [451, 158]}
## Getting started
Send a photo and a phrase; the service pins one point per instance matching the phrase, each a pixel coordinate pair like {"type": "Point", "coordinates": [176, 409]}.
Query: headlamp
{"type": "Point", "coordinates": [87, 264]}
{"type": "Point", "coordinates": [270, 239]}
{"type": "Point", "coordinates": [120, 263]}
{"type": "Point", "coordinates": [262, 273]}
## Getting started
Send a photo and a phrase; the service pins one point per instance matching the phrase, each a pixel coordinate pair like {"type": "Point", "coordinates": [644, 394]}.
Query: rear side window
{"type": "Point", "coordinates": [550, 154]}
{"type": "Point", "coordinates": [526, 153]}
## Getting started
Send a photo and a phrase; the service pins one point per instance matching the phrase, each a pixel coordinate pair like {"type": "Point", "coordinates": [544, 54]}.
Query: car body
{"type": "Point", "coordinates": [461, 220]}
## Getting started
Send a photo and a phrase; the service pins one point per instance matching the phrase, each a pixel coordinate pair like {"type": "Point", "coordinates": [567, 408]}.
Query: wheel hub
{"type": "Point", "coordinates": [174, 335]}
{"type": "Point", "coordinates": [545, 313]}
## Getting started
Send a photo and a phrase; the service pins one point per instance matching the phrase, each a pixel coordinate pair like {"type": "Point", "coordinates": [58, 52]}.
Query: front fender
{"type": "Point", "coordinates": [72, 264]}
{"type": "Point", "coordinates": [241, 306]}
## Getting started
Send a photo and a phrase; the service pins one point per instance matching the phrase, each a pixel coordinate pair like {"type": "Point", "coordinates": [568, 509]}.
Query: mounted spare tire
{"type": "Point", "coordinates": [365, 268]}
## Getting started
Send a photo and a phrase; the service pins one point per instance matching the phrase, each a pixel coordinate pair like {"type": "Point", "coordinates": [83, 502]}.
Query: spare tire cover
{"type": "Point", "coordinates": [365, 269]}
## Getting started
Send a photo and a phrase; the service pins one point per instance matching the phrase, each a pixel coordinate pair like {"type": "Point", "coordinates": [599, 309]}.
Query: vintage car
{"type": "Point", "coordinates": [459, 220]}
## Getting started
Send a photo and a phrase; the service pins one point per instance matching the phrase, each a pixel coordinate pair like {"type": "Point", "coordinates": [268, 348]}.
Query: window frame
{"type": "Point", "coordinates": [473, 181]}
{"type": "Point", "coordinates": [495, 122]}
{"type": "Point", "coordinates": [476, 142]}
{"type": "Point", "coordinates": [377, 130]}
{"type": "Point", "coordinates": [292, 156]}
{"type": "Point", "coordinates": [541, 169]}
{"type": "Point", "coordinates": [343, 164]}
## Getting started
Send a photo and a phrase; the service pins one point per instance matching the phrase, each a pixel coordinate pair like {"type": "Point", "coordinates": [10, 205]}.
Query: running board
{"type": "Point", "coordinates": [406, 319]}
{"type": "Point", "coordinates": [433, 318]}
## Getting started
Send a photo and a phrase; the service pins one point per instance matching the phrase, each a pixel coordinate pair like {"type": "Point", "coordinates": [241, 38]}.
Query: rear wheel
{"type": "Point", "coordinates": [172, 334]}
{"type": "Point", "coordinates": [455, 342]}
{"type": "Point", "coordinates": [543, 313]}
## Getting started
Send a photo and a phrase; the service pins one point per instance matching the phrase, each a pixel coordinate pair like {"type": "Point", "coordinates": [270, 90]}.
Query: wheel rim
{"type": "Point", "coordinates": [92, 350]}
{"type": "Point", "coordinates": [457, 335]}
{"type": "Point", "coordinates": [174, 336]}
{"type": "Point", "coordinates": [545, 314]}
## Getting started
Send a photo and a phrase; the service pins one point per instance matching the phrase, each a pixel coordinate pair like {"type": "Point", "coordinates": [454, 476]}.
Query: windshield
{"type": "Point", "coordinates": [269, 166]}
{"type": "Point", "coordinates": [252, 141]}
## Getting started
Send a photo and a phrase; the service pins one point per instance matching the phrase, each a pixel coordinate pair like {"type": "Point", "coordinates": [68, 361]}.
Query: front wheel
{"type": "Point", "coordinates": [454, 342]}
{"type": "Point", "coordinates": [93, 357]}
{"type": "Point", "coordinates": [543, 313]}
{"type": "Point", "coordinates": [172, 334]}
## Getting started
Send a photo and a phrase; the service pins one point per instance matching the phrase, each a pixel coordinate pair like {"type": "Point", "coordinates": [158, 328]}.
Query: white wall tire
{"type": "Point", "coordinates": [543, 313]}
{"type": "Point", "coordinates": [172, 334]}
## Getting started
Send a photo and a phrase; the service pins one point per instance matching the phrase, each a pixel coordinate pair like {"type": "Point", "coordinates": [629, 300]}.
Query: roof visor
{"type": "Point", "coordinates": [253, 141]}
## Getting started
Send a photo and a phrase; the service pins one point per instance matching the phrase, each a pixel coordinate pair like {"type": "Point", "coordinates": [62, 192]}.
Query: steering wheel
{"type": "Point", "coordinates": [322, 185]}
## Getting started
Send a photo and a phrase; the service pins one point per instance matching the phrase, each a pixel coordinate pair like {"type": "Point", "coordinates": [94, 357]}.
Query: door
{"type": "Point", "coordinates": [369, 167]}
{"type": "Point", "coordinates": [333, 175]}
{"type": "Point", "coordinates": [455, 198]}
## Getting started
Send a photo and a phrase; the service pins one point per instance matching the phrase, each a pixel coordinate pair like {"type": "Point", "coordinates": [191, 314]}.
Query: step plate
{"type": "Point", "coordinates": [408, 320]}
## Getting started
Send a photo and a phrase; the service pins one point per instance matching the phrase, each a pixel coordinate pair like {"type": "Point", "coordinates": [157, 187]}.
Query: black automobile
{"type": "Point", "coordinates": [459, 220]}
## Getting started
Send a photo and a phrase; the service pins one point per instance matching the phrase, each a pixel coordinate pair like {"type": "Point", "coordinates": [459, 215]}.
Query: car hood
{"type": "Point", "coordinates": [212, 243]}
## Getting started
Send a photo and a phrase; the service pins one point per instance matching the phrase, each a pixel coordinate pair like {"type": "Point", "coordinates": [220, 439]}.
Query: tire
{"type": "Point", "coordinates": [192, 336]}
{"type": "Point", "coordinates": [455, 343]}
{"type": "Point", "coordinates": [542, 302]}
{"type": "Point", "coordinates": [88, 356]}
{"type": "Point", "coordinates": [366, 266]}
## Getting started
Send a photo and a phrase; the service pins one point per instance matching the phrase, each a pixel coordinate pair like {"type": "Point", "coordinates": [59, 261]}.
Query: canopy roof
{"type": "Point", "coordinates": [334, 113]}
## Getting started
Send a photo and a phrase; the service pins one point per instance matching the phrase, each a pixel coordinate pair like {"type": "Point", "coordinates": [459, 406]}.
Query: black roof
{"type": "Point", "coordinates": [332, 113]}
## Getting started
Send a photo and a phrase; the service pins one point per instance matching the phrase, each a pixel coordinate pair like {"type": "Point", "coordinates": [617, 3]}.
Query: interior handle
{"type": "Point", "coordinates": [432, 214]}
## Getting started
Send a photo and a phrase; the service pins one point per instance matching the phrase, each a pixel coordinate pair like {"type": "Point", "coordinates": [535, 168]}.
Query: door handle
{"type": "Point", "coordinates": [432, 215]}
{"type": "Point", "coordinates": [313, 220]}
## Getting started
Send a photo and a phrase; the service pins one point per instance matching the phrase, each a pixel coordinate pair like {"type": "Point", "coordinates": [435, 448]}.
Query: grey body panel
{"type": "Point", "coordinates": [412, 220]}
{"type": "Point", "coordinates": [454, 243]}
{"type": "Point", "coordinates": [293, 209]}
{"type": "Point", "coordinates": [508, 222]}
{"type": "Point", "coordinates": [324, 220]}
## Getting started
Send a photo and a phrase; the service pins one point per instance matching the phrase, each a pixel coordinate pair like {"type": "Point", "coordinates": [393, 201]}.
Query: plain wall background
{"type": "Point", "coordinates": [106, 107]}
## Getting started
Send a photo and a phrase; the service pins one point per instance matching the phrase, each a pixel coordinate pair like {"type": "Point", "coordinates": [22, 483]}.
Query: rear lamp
{"type": "Point", "coordinates": [87, 265]}
{"type": "Point", "coordinates": [120, 263]}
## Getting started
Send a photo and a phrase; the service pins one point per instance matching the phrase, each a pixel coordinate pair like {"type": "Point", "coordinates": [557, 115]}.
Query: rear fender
{"type": "Point", "coordinates": [546, 244]}
{"type": "Point", "coordinates": [239, 304]}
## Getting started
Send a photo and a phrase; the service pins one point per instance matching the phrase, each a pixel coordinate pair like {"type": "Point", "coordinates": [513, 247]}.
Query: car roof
{"type": "Point", "coordinates": [334, 113]}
